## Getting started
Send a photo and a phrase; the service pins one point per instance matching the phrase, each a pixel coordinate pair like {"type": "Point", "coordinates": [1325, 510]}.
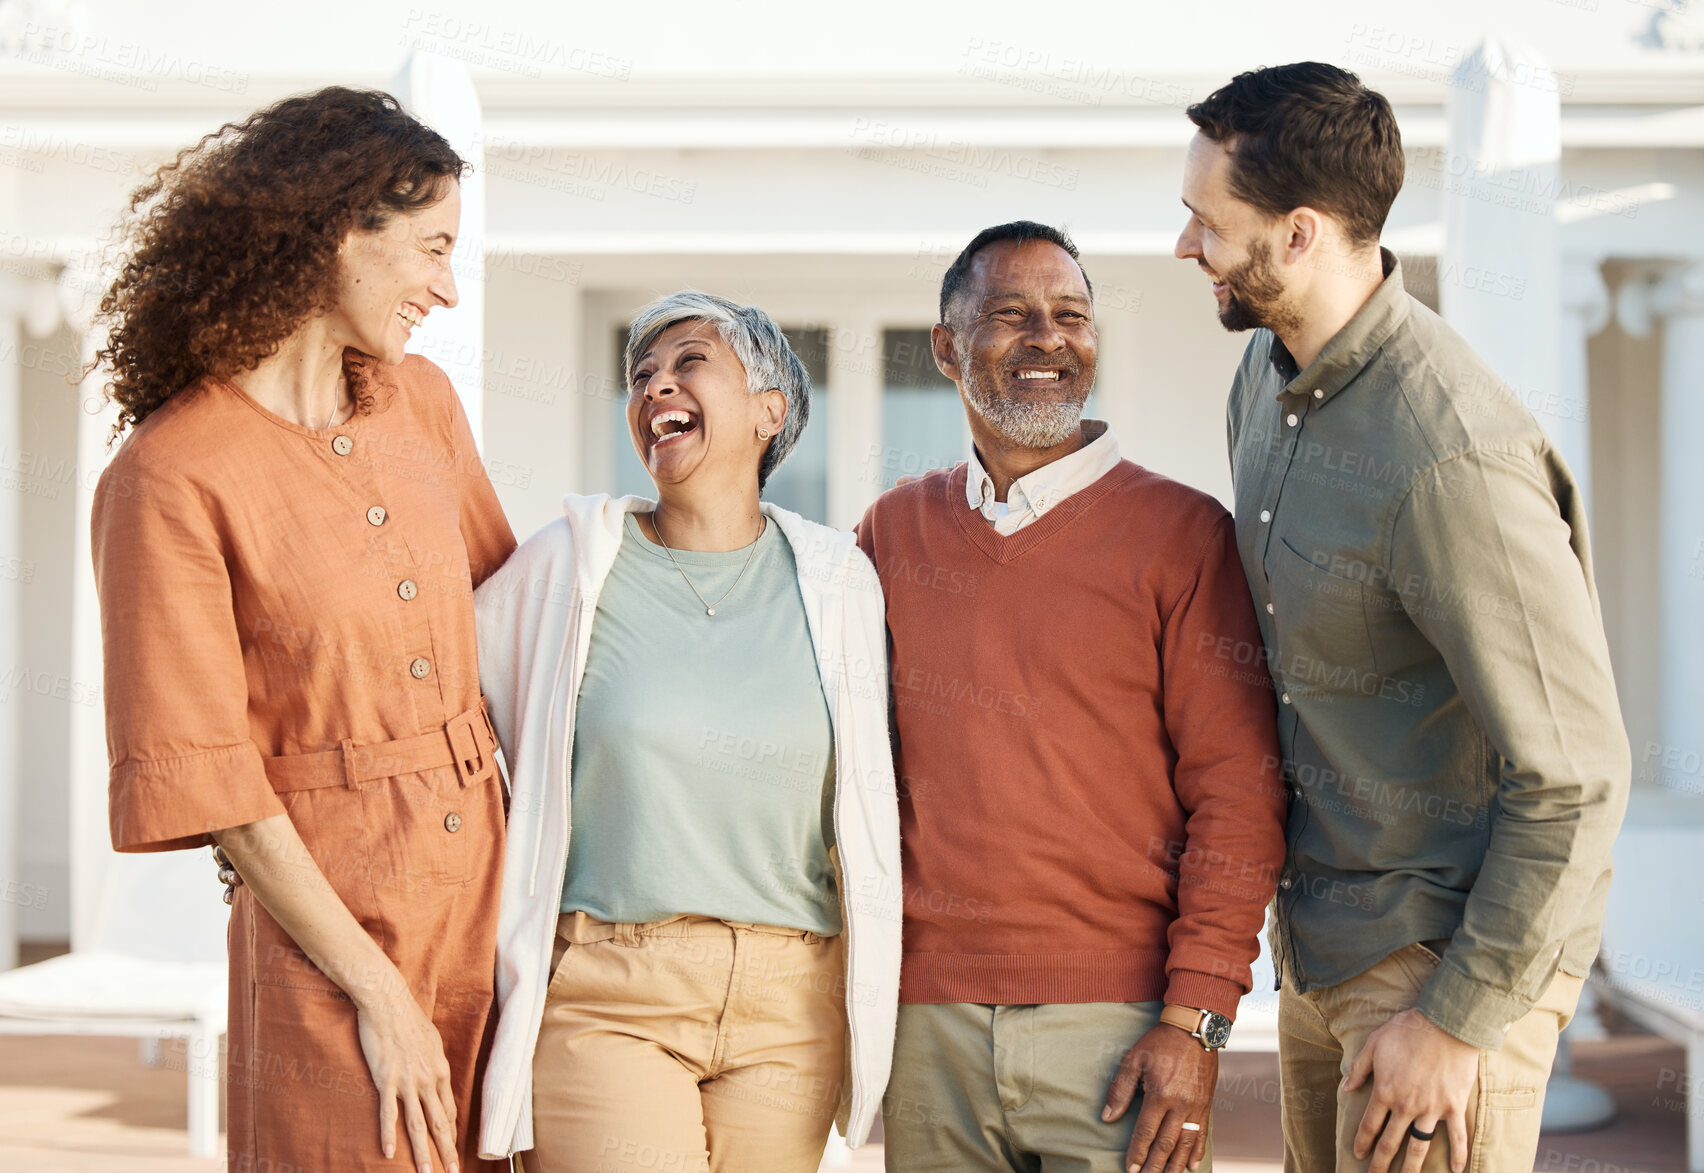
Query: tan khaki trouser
{"type": "Point", "coordinates": [687, 1045]}
{"type": "Point", "coordinates": [1321, 1032]}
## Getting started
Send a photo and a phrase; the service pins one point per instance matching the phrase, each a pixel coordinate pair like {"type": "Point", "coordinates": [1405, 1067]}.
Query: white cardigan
{"type": "Point", "coordinates": [535, 626]}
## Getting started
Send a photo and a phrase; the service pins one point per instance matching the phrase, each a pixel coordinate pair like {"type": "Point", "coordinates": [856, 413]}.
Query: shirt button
{"type": "Point", "coordinates": [376, 515]}
{"type": "Point", "coordinates": [1265, 516]}
{"type": "Point", "coordinates": [342, 445]}
{"type": "Point", "coordinates": [1285, 698]}
{"type": "Point", "coordinates": [1291, 419]}
{"type": "Point", "coordinates": [420, 668]}
{"type": "Point", "coordinates": [452, 822]}
{"type": "Point", "coordinates": [406, 589]}
{"type": "Point", "coordinates": [1269, 610]}
{"type": "Point", "coordinates": [1318, 394]}
{"type": "Point", "coordinates": [1285, 883]}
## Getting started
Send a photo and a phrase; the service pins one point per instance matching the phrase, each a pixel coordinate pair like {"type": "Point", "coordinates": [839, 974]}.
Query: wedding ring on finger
{"type": "Point", "coordinates": [1414, 1131]}
{"type": "Point", "coordinates": [1190, 1126]}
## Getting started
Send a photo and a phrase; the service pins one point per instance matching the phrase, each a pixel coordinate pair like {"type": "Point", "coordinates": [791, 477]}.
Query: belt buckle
{"type": "Point", "coordinates": [474, 762]}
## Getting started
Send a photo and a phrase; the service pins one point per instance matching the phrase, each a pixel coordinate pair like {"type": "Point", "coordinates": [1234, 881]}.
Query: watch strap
{"type": "Point", "coordinates": [1184, 1018]}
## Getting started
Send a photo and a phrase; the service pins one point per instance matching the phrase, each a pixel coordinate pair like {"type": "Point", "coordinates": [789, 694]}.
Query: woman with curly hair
{"type": "Point", "coordinates": [286, 547]}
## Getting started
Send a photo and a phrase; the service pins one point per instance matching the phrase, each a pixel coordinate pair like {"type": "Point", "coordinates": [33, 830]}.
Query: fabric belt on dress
{"type": "Point", "coordinates": [466, 742]}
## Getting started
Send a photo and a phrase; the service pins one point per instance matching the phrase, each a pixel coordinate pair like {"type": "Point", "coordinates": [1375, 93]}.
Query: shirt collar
{"type": "Point", "coordinates": [1051, 483]}
{"type": "Point", "coordinates": [1351, 348]}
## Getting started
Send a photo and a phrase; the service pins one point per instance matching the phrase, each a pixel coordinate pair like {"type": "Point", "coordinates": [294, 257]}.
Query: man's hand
{"type": "Point", "coordinates": [1177, 1077]}
{"type": "Point", "coordinates": [1422, 1075]}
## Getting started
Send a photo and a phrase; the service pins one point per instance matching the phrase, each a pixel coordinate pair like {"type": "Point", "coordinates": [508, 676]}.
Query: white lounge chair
{"type": "Point", "coordinates": [156, 972]}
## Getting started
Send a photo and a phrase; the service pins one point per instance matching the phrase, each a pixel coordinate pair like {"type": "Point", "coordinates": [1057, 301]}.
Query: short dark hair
{"type": "Point", "coordinates": [1308, 135]}
{"type": "Point", "coordinates": [1020, 231]}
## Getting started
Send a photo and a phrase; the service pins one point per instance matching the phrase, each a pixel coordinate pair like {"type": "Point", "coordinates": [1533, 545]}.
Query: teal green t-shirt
{"type": "Point", "coordinates": [703, 755]}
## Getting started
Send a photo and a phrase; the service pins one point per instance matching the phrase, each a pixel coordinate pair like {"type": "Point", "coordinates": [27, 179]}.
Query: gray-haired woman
{"type": "Point", "coordinates": [697, 686]}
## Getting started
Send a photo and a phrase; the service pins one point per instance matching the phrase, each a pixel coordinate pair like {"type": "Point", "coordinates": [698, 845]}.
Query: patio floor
{"type": "Point", "coordinates": [69, 1105]}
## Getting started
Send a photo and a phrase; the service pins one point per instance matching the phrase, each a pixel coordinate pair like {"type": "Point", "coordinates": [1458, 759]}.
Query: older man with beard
{"type": "Point", "coordinates": [1090, 811]}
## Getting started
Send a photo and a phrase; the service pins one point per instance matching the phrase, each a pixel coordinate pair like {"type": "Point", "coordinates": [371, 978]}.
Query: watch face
{"type": "Point", "coordinates": [1215, 1030]}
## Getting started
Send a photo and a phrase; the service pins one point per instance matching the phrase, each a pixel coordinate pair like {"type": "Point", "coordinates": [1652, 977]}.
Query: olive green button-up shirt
{"type": "Point", "coordinates": [1452, 742]}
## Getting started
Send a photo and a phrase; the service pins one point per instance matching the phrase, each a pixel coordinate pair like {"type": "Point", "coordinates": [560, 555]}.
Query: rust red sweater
{"type": "Point", "coordinates": [1090, 803]}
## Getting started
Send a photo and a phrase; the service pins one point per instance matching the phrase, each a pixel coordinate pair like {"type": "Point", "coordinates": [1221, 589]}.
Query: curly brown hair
{"type": "Point", "coordinates": [226, 250]}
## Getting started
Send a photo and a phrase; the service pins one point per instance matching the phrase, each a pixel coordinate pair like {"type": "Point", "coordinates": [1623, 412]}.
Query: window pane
{"type": "Point", "coordinates": [801, 483]}
{"type": "Point", "coordinates": [922, 418]}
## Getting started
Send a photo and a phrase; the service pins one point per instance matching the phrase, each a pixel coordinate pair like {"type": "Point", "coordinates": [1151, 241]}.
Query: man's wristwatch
{"type": "Point", "coordinates": [1211, 1029]}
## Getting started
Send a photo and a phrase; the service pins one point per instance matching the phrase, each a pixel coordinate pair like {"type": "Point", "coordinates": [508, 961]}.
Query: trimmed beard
{"type": "Point", "coordinates": [1255, 296]}
{"type": "Point", "coordinates": [1041, 424]}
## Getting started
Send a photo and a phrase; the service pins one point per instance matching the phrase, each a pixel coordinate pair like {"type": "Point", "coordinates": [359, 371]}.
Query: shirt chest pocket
{"type": "Point", "coordinates": [1320, 620]}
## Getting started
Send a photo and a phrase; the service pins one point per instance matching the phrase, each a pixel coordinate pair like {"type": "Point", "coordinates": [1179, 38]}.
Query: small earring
{"type": "Point", "coordinates": [763, 433]}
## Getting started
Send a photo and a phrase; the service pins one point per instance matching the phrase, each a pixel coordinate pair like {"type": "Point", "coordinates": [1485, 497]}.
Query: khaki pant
{"type": "Point", "coordinates": [1322, 1031]}
{"type": "Point", "coordinates": [1010, 1089]}
{"type": "Point", "coordinates": [687, 1045]}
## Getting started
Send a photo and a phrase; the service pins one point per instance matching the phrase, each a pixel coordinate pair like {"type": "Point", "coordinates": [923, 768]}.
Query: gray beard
{"type": "Point", "coordinates": [1041, 424]}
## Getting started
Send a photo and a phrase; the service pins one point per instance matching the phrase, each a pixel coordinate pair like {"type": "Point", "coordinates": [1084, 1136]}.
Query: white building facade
{"type": "Point", "coordinates": [832, 187]}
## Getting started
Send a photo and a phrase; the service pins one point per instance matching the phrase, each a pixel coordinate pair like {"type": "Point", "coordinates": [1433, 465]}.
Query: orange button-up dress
{"type": "Point", "coordinates": [269, 589]}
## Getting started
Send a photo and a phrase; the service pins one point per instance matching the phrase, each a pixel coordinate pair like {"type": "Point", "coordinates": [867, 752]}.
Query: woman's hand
{"type": "Point", "coordinates": [403, 1050]}
{"type": "Point", "coordinates": [406, 1058]}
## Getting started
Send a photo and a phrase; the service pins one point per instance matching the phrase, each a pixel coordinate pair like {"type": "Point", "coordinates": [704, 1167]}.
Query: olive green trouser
{"type": "Point", "coordinates": [1010, 1089]}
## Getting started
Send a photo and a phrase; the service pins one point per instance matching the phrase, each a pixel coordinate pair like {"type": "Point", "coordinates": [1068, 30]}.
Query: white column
{"type": "Point", "coordinates": [86, 761]}
{"type": "Point", "coordinates": [1499, 274]}
{"type": "Point", "coordinates": [1679, 299]}
{"type": "Point", "coordinates": [11, 598]}
{"type": "Point", "coordinates": [439, 92]}
{"type": "Point", "coordinates": [1585, 311]}
{"type": "Point", "coordinates": [86, 757]}
{"type": "Point", "coordinates": [854, 417]}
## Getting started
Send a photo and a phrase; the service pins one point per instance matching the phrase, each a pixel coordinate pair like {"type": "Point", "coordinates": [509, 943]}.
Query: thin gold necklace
{"type": "Point", "coordinates": [709, 607]}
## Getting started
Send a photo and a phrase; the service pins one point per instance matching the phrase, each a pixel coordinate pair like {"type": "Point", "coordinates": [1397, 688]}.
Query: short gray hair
{"type": "Point", "coordinates": [770, 364]}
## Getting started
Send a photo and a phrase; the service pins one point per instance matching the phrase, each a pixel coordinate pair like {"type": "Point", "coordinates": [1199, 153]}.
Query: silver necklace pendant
{"type": "Point", "coordinates": [709, 607]}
